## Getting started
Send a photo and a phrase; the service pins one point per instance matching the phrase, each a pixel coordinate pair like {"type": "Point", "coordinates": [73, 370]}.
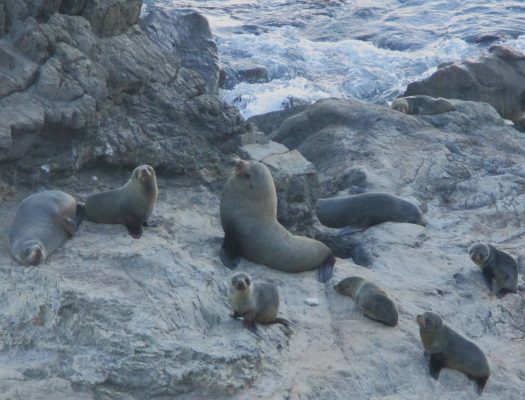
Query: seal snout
{"type": "Point", "coordinates": [420, 320]}
{"type": "Point", "coordinates": [240, 281]}
{"type": "Point", "coordinates": [34, 254]}
{"type": "Point", "coordinates": [145, 173]}
{"type": "Point", "coordinates": [239, 165]}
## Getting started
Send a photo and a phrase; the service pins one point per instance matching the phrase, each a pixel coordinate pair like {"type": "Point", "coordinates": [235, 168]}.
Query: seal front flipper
{"type": "Point", "coordinates": [350, 229]}
{"type": "Point", "coordinates": [69, 225]}
{"type": "Point", "coordinates": [80, 213]}
{"type": "Point", "coordinates": [437, 362]}
{"type": "Point", "coordinates": [488, 275]}
{"type": "Point", "coordinates": [249, 323]}
{"type": "Point", "coordinates": [151, 224]}
{"type": "Point", "coordinates": [480, 385]}
{"type": "Point", "coordinates": [230, 251]}
{"type": "Point", "coordinates": [503, 292]}
{"type": "Point", "coordinates": [326, 269]}
{"type": "Point", "coordinates": [134, 227]}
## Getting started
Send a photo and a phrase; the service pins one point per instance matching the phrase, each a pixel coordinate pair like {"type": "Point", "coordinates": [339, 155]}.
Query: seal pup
{"type": "Point", "coordinates": [449, 349]}
{"type": "Point", "coordinates": [370, 298]}
{"type": "Point", "coordinates": [254, 302]}
{"type": "Point", "coordinates": [360, 211]}
{"type": "Point", "coordinates": [498, 265]}
{"type": "Point", "coordinates": [131, 205]}
{"type": "Point", "coordinates": [43, 221]}
{"type": "Point", "coordinates": [248, 213]}
{"type": "Point", "coordinates": [422, 104]}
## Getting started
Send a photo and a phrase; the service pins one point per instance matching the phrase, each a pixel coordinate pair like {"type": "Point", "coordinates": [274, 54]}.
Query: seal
{"type": "Point", "coordinates": [248, 211]}
{"type": "Point", "coordinates": [360, 211]}
{"type": "Point", "coordinates": [43, 221]}
{"type": "Point", "coordinates": [496, 265]}
{"type": "Point", "coordinates": [370, 298]}
{"type": "Point", "coordinates": [449, 349]}
{"type": "Point", "coordinates": [422, 104]}
{"type": "Point", "coordinates": [254, 302]}
{"type": "Point", "coordinates": [131, 205]}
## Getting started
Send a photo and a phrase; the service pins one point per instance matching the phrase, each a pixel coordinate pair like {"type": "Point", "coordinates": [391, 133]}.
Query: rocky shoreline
{"type": "Point", "coordinates": [89, 90]}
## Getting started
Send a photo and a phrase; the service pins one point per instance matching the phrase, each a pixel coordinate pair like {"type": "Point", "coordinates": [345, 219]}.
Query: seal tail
{"type": "Point", "coordinates": [326, 269]}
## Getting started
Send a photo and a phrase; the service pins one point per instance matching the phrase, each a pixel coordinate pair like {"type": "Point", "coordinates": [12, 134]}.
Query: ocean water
{"type": "Point", "coordinates": [369, 50]}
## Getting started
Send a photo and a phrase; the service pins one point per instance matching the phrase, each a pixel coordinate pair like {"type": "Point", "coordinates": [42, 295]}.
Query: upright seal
{"type": "Point", "coordinates": [449, 349]}
{"type": "Point", "coordinates": [131, 205]}
{"type": "Point", "coordinates": [370, 298]}
{"type": "Point", "coordinates": [422, 104]}
{"type": "Point", "coordinates": [497, 265]}
{"type": "Point", "coordinates": [43, 221]}
{"type": "Point", "coordinates": [251, 230]}
{"type": "Point", "coordinates": [358, 212]}
{"type": "Point", "coordinates": [254, 302]}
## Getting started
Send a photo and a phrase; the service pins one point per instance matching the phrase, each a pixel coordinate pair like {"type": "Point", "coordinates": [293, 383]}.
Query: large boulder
{"type": "Point", "coordinates": [497, 79]}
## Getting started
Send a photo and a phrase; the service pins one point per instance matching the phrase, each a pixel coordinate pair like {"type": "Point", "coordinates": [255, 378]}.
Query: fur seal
{"type": "Point", "coordinates": [254, 302]}
{"type": "Point", "coordinates": [248, 212]}
{"type": "Point", "coordinates": [371, 299]}
{"type": "Point", "coordinates": [43, 221]}
{"type": "Point", "coordinates": [131, 205]}
{"type": "Point", "coordinates": [497, 265]}
{"type": "Point", "coordinates": [449, 349]}
{"type": "Point", "coordinates": [360, 211]}
{"type": "Point", "coordinates": [422, 104]}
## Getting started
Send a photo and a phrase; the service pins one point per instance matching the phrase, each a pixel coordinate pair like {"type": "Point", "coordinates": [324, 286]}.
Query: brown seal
{"type": "Point", "coordinates": [449, 349]}
{"type": "Point", "coordinates": [131, 205]}
{"type": "Point", "coordinates": [254, 302]}
{"type": "Point", "coordinates": [370, 298]}
{"type": "Point", "coordinates": [497, 265]}
{"type": "Point", "coordinates": [43, 221]}
{"type": "Point", "coordinates": [360, 211]}
{"type": "Point", "coordinates": [422, 104]}
{"type": "Point", "coordinates": [251, 230]}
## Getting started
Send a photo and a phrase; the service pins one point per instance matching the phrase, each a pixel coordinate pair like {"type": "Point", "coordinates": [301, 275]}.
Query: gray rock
{"type": "Point", "coordinates": [187, 35]}
{"type": "Point", "coordinates": [17, 73]}
{"type": "Point", "coordinates": [111, 17]}
{"type": "Point", "coordinates": [71, 7]}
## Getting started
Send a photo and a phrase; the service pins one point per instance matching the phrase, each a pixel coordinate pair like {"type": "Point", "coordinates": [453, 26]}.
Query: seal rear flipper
{"type": "Point", "coordinates": [503, 292]}
{"type": "Point", "coordinates": [230, 251]}
{"type": "Point", "coordinates": [134, 227]}
{"type": "Point", "coordinates": [326, 269]}
{"type": "Point", "coordinates": [437, 362]}
{"type": "Point", "coordinates": [480, 384]}
{"type": "Point", "coordinates": [151, 224]}
{"type": "Point", "coordinates": [350, 229]}
{"type": "Point", "coordinates": [282, 321]}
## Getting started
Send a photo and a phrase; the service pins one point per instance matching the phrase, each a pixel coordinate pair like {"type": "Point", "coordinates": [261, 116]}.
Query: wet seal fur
{"type": "Point", "coordinates": [254, 302]}
{"type": "Point", "coordinates": [448, 349]}
{"type": "Point", "coordinates": [43, 221]}
{"type": "Point", "coordinates": [130, 205]}
{"type": "Point", "coordinates": [248, 213]}
{"type": "Point", "coordinates": [370, 298]}
{"type": "Point", "coordinates": [496, 265]}
{"type": "Point", "coordinates": [422, 104]}
{"type": "Point", "coordinates": [358, 212]}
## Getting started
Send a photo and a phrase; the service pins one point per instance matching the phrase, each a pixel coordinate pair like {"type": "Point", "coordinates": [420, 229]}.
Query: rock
{"type": "Point", "coordinates": [235, 73]}
{"type": "Point", "coordinates": [497, 79]}
{"type": "Point", "coordinates": [187, 35]}
{"type": "Point", "coordinates": [110, 17]}
{"type": "Point", "coordinates": [16, 72]}
{"type": "Point", "coordinates": [71, 7]}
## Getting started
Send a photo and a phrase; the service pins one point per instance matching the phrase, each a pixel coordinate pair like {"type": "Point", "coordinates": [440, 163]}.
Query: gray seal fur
{"type": "Point", "coordinates": [43, 221]}
{"type": "Point", "coordinates": [422, 104]}
{"type": "Point", "coordinates": [370, 298]}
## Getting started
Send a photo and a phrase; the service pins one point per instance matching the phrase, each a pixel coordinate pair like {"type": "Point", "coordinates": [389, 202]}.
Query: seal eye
{"type": "Point", "coordinates": [247, 280]}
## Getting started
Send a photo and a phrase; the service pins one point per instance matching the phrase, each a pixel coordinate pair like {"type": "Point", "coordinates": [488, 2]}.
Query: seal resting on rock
{"type": "Point", "coordinates": [249, 219]}
{"type": "Point", "coordinates": [449, 349]}
{"type": "Point", "coordinates": [498, 265]}
{"type": "Point", "coordinates": [131, 205]}
{"type": "Point", "coordinates": [43, 221]}
{"type": "Point", "coordinates": [370, 298]}
{"type": "Point", "coordinates": [254, 302]}
{"type": "Point", "coordinates": [360, 211]}
{"type": "Point", "coordinates": [422, 104]}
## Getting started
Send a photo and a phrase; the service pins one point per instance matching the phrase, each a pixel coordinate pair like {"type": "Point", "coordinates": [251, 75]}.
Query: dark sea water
{"type": "Point", "coordinates": [368, 50]}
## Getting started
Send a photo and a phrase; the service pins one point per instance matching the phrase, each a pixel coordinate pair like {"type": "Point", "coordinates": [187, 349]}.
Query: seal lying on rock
{"type": "Point", "coordinates": [422, 104]}
{"type": "Point", "coordinates": [254, 302]}
{"type": "Point", "coordinates": [371, 299]}
{"type": "Point", "coordinates": [497, 265]}
{"type": "Point", "coordinates": [131, 205]}
{"type": "Point", "coordinates": [251, 230]}
{"type": "Point", "coordinates": [449, 349]}
{"type": "Point", "coordinates": [43, 221]}
{"type": "Point", "coordinates": [360, 211]}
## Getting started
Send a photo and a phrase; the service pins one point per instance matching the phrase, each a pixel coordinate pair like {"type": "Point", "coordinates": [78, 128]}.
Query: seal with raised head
{"type": "Point", "coordinates": [130, 205]}
{"type": "Point", "coordinates": [370, 298]}
{"type": "Point", "coordinates": [249, 219]}
{"type": "Point", "coordinates": [360, 211]}
{"type": "Point", "coordinates": [254, 302]}
{"type": "Point", "coordinates": [43, 221]}
{"type": "Point", "coordinates": [496, 265]}
{"type": "Point", "coordinates": [422, 104]}
{"type": "Point", "coordinates": [449, 349]}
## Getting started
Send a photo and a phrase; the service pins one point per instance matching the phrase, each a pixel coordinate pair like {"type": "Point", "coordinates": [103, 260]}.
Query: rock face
{"type": "Point", "coordinates": [497, 79]}
{"type": "Point", "coordinates": [82, 89]}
